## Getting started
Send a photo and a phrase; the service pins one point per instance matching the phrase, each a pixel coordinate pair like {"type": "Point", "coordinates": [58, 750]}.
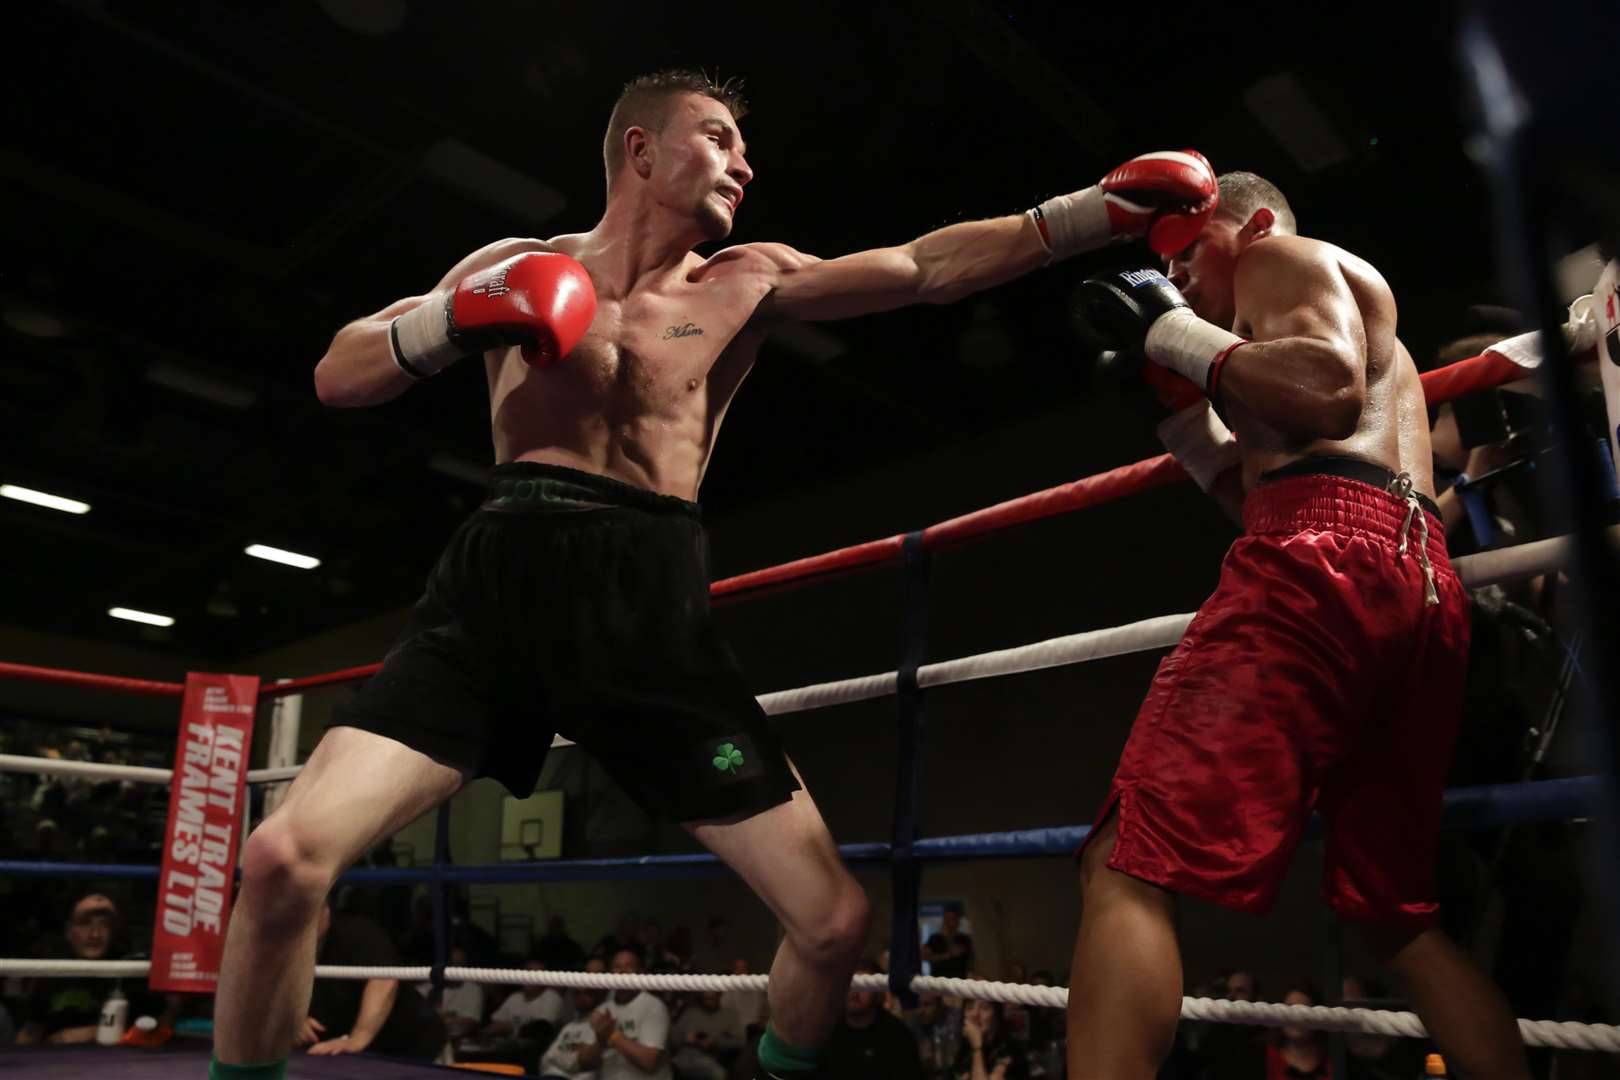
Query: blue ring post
{"type": "Point", "coordinates": [905, 950]}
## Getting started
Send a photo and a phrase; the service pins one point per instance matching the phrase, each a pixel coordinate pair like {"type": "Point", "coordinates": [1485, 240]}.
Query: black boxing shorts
{"type": "Point", "coordinates": [572, 604]}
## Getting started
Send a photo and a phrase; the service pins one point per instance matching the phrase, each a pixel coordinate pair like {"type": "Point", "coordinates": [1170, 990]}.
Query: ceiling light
{"type": "Point", "coordinates": [206, 387]}
{"type": "Point", "coordinates": [28, 318]}
{"type": "Point", "coordinates": [146, 617]}
{"type": "Point", "coordinates": [286, 558]}
{"type": "Point", "coordinates": [40, 498]}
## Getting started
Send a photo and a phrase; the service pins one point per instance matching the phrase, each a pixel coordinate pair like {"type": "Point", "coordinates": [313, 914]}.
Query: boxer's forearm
{"type": "Point", "coordinates": [1299, 386]}
{"type": "Point", "coordinates": [960, 260]}
{"type": "Point", "coordinates": [376, 1002]}
{"type": "Point", "coordinates": [359, 367]}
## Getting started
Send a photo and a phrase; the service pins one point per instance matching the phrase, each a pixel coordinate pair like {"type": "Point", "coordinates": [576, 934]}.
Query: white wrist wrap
{"type": "Point", "coordinates": [1187, 345]}
{"type": "Point", "coordinates": [1198, 440]}
{"type": "Point", "coordinates": [421, 338]}
{"type": "Point", "coordinates": [1075, 223]}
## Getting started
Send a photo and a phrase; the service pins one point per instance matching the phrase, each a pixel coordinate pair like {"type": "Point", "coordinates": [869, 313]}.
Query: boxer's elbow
{"type": "Point", "coordinates": [1341, 400]}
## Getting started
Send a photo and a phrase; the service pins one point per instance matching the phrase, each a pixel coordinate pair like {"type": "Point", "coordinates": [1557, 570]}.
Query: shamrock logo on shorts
{"type": "Point", "coordinates": [727, 757]}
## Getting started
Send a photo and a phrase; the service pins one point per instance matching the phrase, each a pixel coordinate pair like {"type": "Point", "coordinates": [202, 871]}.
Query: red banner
{"type": "Point", "coordinates": [206, 804]}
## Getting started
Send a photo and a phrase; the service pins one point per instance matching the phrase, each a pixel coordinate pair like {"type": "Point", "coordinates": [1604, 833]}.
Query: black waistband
{"type": "Point", "coordinates": [1348, 467]}
{"type": "Point", "coordinates": [531, 486]}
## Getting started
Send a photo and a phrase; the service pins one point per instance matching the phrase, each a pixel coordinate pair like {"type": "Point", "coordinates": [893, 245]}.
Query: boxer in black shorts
{"type": "Point", "coordinates": [571, 603]}
{"type": "Point", "coordinates": [575, 600]}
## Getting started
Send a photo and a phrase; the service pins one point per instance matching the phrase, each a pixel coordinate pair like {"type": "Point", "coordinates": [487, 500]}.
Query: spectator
{"type": "Point", "coordinates": [573, 1055]}
{"type": "Point", "coordinates": [988, 1051]}
{"type": "Point", "coordinates": [713, 952]}
{"type": "Point", "coordinates": [67, 1010]}
{"type": "Point", "coordinates": [1377, 1057]}
{"type": "Point", "coordinates": [868, 1043]}
{"type": "Point", "coordinates": [707, 1037]}
{"type": "Point", "coordinates": [558, 951]}
{"type": "Point", "coordinates": [528, 1004]}
{"type": "Point", "coordinates": [678, 949]}
{"type": "Point", "coordinates": [347, 1015]}
{"type": "Point", "coordinates": [751, 1006]}
{"type": "Point", "coordinates": [462, 1004]}
{"type": "Point", "coordinates": [1242, 986]}
{"type": "Point", "coordinates": [1298, 1053]}
{"type": "Point", "coordinates": [937, 1028]}
{"type": "Point", "coordinates": [625, 937]}
{"type": "Point", "coordinates": [1232, 1051]}
{"type": "Point", "coordinates": [950, 952]}
{"type": "Point", "coordinates": [632, 1031]}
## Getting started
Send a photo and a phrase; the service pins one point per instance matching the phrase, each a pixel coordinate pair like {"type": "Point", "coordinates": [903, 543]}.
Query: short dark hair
{"type": "Point", "coordinates": [1242, 193]}
{"type": "Point", "coordinates": [644, 102]}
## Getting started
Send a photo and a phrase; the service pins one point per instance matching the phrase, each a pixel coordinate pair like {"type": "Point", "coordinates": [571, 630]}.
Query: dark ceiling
{"type": "Point", "coordinates": [196, 196]}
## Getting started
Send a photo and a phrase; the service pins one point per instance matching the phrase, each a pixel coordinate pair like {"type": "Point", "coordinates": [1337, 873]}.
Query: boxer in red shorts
{"type": "Point", "coordinates": [1326, 671]}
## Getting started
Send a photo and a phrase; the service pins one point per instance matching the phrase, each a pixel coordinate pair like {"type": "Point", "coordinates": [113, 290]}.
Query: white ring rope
{"type": "Point", "coordinates": [1486, 568]}
{"type": "Point", "coordinates": [1564, 1035]}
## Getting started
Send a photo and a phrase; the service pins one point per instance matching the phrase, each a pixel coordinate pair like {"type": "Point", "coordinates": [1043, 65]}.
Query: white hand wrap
{"type": "Point", "coordinates": [1189, 346]}
{"type": "Point", "coordinates": [1198, 440]}
{"type": "Point", "coordinates": [1075, 223]}
{"type": "Point", "coordinates": [421, 338]}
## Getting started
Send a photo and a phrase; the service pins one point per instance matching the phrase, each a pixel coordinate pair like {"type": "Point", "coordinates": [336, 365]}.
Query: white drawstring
{"type": "Point", "coordinates": [1401, 488]}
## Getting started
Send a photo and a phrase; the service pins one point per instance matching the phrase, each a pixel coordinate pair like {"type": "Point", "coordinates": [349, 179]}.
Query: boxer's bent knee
{"type": "Point", "coordinates": [285, 875]}
{"type": "Point", "coordinates": [836, 933]}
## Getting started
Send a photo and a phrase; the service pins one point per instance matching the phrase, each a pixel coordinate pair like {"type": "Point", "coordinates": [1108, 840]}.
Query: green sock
{"type": "Point", "coordinates": [779, 1058]}
{"type": "Point", "coordinates": [264, 1070]}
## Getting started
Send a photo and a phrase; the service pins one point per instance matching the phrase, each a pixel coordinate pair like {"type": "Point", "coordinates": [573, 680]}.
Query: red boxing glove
{"type": "Point", "coordinates": [1175, 392]}
{"type": "Point", "coordinates": [541, 301]}
{"type": "Point", "coordinates": [1168, 194]}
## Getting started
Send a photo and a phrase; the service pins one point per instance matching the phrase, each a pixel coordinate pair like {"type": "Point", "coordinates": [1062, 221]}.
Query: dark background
{"type": "Point", "coordinates": [197, 196]}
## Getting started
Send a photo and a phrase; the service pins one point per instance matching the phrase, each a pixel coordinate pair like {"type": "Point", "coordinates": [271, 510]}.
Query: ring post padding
{"type": "Point", "coordinates": [905, 949]}
{"type": "Point", "coordinates": [441, 912]}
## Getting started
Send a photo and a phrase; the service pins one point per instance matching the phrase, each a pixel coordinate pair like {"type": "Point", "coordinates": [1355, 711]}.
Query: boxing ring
{"type": "Point", "coordinates": [906, 853]}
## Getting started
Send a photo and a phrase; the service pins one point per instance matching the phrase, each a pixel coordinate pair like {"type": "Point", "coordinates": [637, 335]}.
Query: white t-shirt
{"type": "Point", "coordinates": [749, 1005]}
{"type": "Point", "coordinates": [562, 1059]}
{"type": "Point", "coordinates": [644, 1020]}
{"type": "Point", "coordinates": [466, 1000]}
{"type": "Point", "coordinates": [1606, 303]}
{"type": "Point", "coordinates": [518, 1010]}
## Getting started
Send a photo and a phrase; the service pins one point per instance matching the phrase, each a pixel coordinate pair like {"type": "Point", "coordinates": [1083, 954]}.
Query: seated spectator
{"type": "Point", "coordinates": [713, 952]}
{"type": "Point", "coordinates": [868, 1043]}
{"type": "Point", "coordinates": [950, 952]}
{"type": "Point", "coordinates": [565, 1058]}
{"type": "Point", "coordinates": [1298, 1053]}
{"type": "Point", "coordinates": [632, 1031]}
{"type": "Point", "coordinates": [348, 1015]}
{"type": "Point", "coordinates": [751, 1006]}
{"type": "Point", "coordinates": [1377, 1057]}
{"type": "Point", "coordinates": [938, 1029]}
{"type": "Point", "coordinates": [1232, 1051]}
{"type": "Point", "coordinates": [558, 951]}
{"type": "Point", "coordinates": [528, 1004]}
{"type": "Point", "coordinates": [706, 1037]}
{"type": "Point", "coordinates": [68, 1010]}
{"type": "Point", "coordinates": [988, 1051]}
{"type": "Point", "coordinates": [461, 1006]}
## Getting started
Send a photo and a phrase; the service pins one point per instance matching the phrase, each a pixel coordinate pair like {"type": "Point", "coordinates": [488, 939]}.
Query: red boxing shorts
{"type": "Point", "coordinates": [1316, 677]}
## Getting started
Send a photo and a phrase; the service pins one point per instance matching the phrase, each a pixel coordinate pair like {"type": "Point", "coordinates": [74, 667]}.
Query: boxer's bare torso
{"type": "Point", "coordinates": [1353, 299]}
{"type": "Point", "coordinates": [640, 399]}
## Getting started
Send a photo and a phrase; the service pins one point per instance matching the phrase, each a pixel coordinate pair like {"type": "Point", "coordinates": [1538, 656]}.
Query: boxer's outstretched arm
{"type": "Point", "coordinates": [938, 268]}
{"type": "Point", "coordinates": [1304, 371]}
{"type": "Point", "coordinates": [359, 368]}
